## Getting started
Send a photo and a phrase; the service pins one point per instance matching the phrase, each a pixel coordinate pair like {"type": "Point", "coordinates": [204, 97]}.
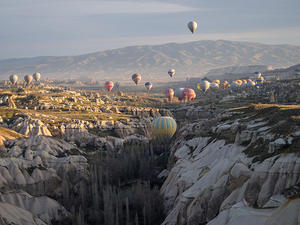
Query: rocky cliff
{"type": "Point", "coordinates": [236, 169]}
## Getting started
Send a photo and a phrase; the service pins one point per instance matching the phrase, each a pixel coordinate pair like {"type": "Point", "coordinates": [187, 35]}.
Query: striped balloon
{"type": "Point", "coordinates": [164, 126]}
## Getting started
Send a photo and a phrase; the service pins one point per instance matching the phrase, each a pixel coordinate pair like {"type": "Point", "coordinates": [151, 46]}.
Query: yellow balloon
{"type": "Point", "coordinates": [198, 87]}
{"type": "Point", "coordinates": [216, 82]}
{"type": "Point", "coordinates": [164, 126]}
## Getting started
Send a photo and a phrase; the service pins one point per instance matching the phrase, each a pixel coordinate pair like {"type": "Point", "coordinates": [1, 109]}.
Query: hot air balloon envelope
{"type": "Point", "coordinates": [214, 86]}
{"type": "Point", "coordinates": [234, 85]}
{"type": "Point", "coordinates": [28, 78]}
{"type": "Point", "coordinates": [109, 85]}
{"type": "Point", "coordinates": [164, 126]}
{"type": "Point", "coordinates": [192, 26]}
{"type": "Point", "coordinates": [179, 93]}
{"type": "Point", "coordinates": [170, 94]}
{"type": "Point", "coordinates": [13, 79]}
{"type": "Point", "coordinates": [204, 85]}
{"type": "Point", "coordinates": [36, 76]}
{"type": "Point", "coordinates": [136, 78]}
{"type": "Point", "coordinates": [148, 85]}
{"type": "Point", "coordinates": [189, 94]}
{"type": "Point", "coordinates": [171, 72]}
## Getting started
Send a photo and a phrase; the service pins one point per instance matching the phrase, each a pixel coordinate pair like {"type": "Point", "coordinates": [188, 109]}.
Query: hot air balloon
{"type": "Point", "coordinates": [244, 85]}
{"type": "Point", "coordinates": [214, 86]}
{"type": "Point", "coordinates": [171, 72]}
{"type": "Point", "coordinates": [136, 78]}
{"type": "Point", "coordinates": [239, 82]}
{"type": "Point", "coordinates": [189, 94]}
{"type": "Point", "coordinates": [13, 79]}
{"type": "Point", "coordinates": [250, 83]}
{"type": "Point", "coordinates": [224, 84]}
{"type": "Point", "coordinates": [257, 75]}
{"type": "Point", "coordinates": [28, 78]}
{"type": "Point", "coordinates": [192, 26]}
{"type": "Point", "coordinates": [109, 85]}
{"type": "Point", "coordinates": [148, 85]}
{"type": "Point", "coordinates": [36, 76]}
{"type": "Point", "coordinates": [216, 82]}
{"type": "Point", "coordinates": [170, 94]}
{"type": "Point", "coordinates": [164, 126]}
{"type": "Point", "coordinates": [260, 79]}
{"type": "Point", "coordinates": [234, 85]}
{"type": "Point", "coordinates": [204, 85]}
{"type": "Point", "coordinates": [179, 93]}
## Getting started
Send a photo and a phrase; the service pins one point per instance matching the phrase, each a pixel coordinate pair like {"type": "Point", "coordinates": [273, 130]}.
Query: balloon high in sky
{"type": "Point", "coordinates": [51, 27]}
{"type": "Point", "coordinates": [192, 26]}
{"type": "Point", "coordinates": [171, 72]}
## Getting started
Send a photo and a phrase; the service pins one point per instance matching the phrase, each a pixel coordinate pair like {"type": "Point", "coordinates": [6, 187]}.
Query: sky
{"type": "Point", "coordinates": [30, 28]}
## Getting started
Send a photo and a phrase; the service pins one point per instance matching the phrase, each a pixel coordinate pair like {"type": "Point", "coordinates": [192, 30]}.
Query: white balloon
{"type": "Point", "coordinates": [192, 26]}
{"type": "Point", "coordinates": [171, 72]}
{"type": "Point", "coordinates": [36, 76]}
{"type": "Point", "coordinates": [13, 79]}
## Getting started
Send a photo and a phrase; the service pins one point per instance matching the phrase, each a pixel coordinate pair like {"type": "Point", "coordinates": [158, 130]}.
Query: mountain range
{"type": "Point", "coordinates": [192, 59]}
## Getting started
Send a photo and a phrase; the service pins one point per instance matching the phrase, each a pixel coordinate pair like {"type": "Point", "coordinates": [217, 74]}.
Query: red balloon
{"type": "Point", "coordinates": [109, 85]}
{"type": "Point", "coordinates": [170, 94]}
{"type": "Point", "coordinates": [189, 94]}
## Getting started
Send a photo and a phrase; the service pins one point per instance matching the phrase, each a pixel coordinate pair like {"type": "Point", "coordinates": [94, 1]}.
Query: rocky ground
{"type": "Point", "coordinates": [78, 157]}
{"type": "Point", "coordinates": [241, 167]}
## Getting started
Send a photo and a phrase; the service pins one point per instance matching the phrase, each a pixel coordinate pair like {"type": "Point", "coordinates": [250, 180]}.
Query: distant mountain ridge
{"type": "Point", "coordinates": [192, 59]}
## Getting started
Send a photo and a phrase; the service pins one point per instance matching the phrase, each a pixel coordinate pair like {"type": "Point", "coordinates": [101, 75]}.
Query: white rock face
{"type": "Point", "coordinates": [29, 127]}
{"type": "Point", "coordinates": [213, 180]}
{"type": "Point", "coordinates": [240, 213]}
{"type": "Point", "coordinates": [199, 173]}
{"type": "Point", "coordinates": [43, 208]}
{"type": "Point", "coordinates": [11, 214]}
{"type": "Point", "coordinates": [36, 164]}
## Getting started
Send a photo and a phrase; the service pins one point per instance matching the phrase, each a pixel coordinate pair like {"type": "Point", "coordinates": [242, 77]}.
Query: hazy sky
{"type": "Point", "coordinates": [69, 27]}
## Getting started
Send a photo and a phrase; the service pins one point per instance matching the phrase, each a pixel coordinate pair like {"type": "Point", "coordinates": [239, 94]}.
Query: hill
{"type": "Point", "coordinates": [191, 59]}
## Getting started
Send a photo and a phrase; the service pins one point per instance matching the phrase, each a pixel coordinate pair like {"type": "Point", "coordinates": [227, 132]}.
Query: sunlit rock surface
{"type": "Point", "coordinates": [23, 124]}
{"type": "Point", "coordinates": [230, 172]}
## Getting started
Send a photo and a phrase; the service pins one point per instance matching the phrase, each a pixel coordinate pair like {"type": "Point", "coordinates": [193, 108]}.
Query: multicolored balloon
{"type": "Point", "coordinates": [164, 126]}
{"type": "Point", "coordinates": [257, 75]}
{"type": "Point", "coordinates": [189, 94]}
{"type": "Point", "coordinates": [224, 84]}
{"type": "Point", "coordinates": [250, 83]}
{"type": "Point", "coordinates": [234, 85]}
